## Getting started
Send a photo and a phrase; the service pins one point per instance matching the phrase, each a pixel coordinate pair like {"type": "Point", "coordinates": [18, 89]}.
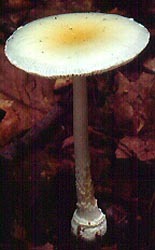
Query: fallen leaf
{"type": "Point", "coordinates": [141, 148]}
{"type": "Point", "coordinates": [149, 64]}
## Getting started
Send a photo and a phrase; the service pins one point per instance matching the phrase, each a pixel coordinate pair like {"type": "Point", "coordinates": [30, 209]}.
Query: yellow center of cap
{"type": "Point", "coordinates": [75, 35]}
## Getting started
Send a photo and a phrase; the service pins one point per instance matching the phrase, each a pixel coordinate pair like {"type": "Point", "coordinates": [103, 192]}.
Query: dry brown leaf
{"type": "Point", "coordinates": [141, 148]}
{"type": "Point", "coordinates": [62, 82]}
{"type": "Point", "coordinates": [47, 246]}
{"type": "Point", "coordinates": [25, 98]}
{"type": "Point", "coordinates": [150, 64]}
{"type": "Point", "coordinates": [34, 91]}
{"type": "Point", "coordinates": [17, 4]}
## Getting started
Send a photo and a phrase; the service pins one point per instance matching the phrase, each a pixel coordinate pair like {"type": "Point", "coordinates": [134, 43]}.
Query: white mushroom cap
{"type": "Point", "coordinates": [76, 44]}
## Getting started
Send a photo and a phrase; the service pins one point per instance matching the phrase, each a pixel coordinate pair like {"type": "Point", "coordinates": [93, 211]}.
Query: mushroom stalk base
{"type": "Point", "coordinates": [88, 221]}
{"type": "Point", "coordinates": [89, 230]}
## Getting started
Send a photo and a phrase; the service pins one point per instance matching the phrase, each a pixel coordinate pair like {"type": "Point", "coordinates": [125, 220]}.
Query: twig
{"type": "Point", "coordinates": [10, 151]}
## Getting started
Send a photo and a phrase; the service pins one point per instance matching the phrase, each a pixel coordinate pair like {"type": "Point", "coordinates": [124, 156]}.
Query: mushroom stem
{"type": "Point", "coordinates": [88, 220]}
{"type": "Point", "coordinates": [85, 192]}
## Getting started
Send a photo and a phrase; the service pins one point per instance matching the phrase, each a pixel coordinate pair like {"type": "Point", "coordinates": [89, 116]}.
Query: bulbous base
{"type": "Point", "coordinates": [89, 230]}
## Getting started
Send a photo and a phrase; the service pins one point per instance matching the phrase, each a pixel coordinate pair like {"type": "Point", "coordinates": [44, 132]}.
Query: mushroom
{"type": "Point", "coordinates": [77, 45]}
